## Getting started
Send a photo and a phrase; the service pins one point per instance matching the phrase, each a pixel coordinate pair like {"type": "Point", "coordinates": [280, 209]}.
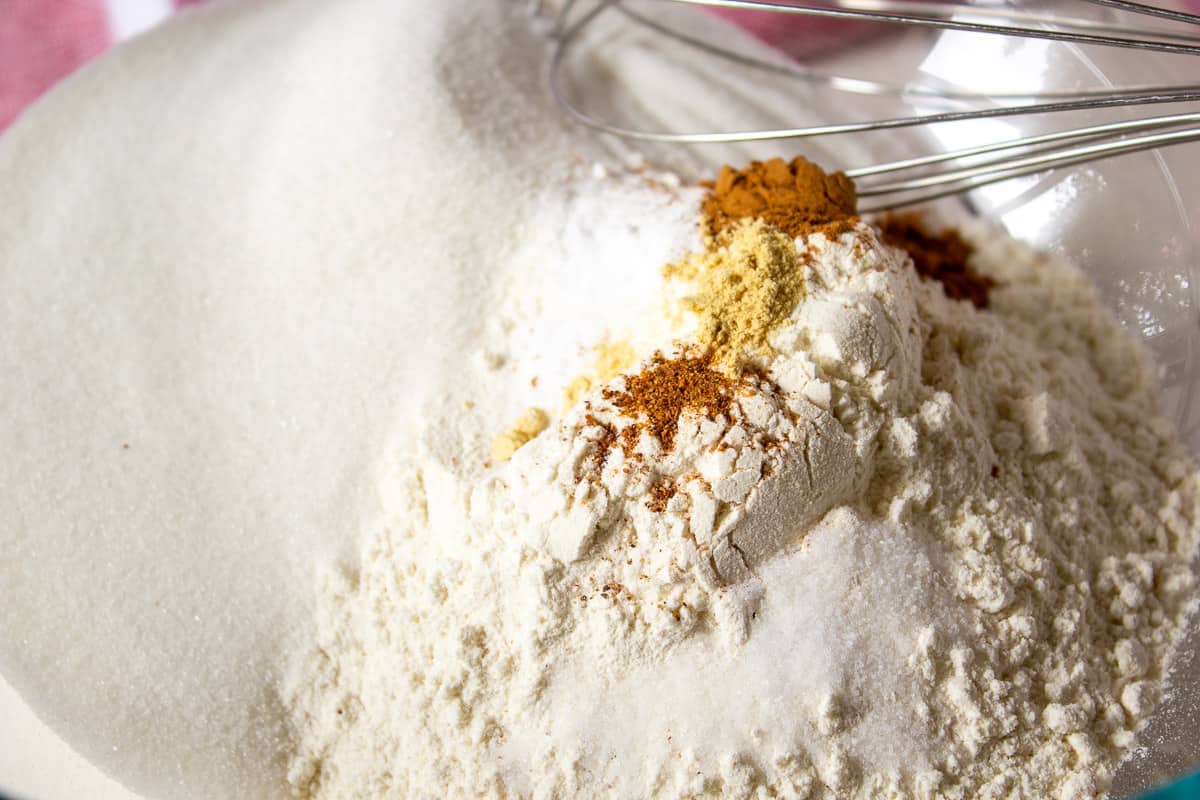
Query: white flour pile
{"type": "Point", "coordinates": [921, 550]}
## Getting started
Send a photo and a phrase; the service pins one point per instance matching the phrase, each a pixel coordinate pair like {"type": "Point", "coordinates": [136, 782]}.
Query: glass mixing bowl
{"type": "Point", "coordinates": [1131, 222]}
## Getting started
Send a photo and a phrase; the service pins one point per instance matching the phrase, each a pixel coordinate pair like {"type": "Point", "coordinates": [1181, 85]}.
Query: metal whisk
{"type": "Point", "coordinates": [929, 177]}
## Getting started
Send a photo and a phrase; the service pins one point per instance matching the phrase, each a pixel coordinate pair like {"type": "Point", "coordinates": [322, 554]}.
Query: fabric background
{"type": "Point", "coordinates": [43, 41]}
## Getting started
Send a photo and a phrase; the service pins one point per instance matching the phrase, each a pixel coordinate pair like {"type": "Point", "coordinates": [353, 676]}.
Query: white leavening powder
{"type": "Point", "coordinates": [932, 551]}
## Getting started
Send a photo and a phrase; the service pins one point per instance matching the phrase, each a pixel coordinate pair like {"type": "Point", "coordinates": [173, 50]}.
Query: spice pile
{"type": "Point", "coordinates": [746, 287]}
{"type": "Point", "coordinates": [894, 517]}
{"type": "Point", "coordinates": [664, 390]}
{"type": "Point", "coordinates": [798, 198]}
{"type": "Point", "coordinates": [944, 257]}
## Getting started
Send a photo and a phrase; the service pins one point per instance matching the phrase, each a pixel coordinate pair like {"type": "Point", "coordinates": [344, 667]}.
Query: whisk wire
{"type": "Point", "coordinates": [1090, 133]}
{"type": "Point", "coordinates": [953, 181]}
{"type": "Point", "coordinates": [1010, 13]}
{"type": "Point", "coordinates": [842, 11]}
{"type": "Point", "coordinates": [898, 17]}
{"type": "Point", "coordinates": [945, 173]}
{"type": "Point", "coordinates": [1149, 10]}
{"type": "Point", "coordinates": [869, 87]}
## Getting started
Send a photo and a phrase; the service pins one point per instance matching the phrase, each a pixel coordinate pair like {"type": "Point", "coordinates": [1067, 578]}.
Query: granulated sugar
{"type": "Point", "coordinates": [916, 549]}
{"type": "Point", "coordinates": [825, 664]}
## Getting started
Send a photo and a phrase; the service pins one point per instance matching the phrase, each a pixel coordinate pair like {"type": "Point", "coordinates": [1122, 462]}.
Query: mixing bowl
{"type": "Point", "coordinates": [1131, 222]}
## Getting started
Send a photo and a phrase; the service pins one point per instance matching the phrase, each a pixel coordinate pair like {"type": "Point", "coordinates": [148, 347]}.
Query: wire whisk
{"type": "Point", "coordinates": [929, 177]}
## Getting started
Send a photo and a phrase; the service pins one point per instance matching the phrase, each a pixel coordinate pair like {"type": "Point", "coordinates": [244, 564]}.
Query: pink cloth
{"type": "Point", "coordinates": [798, 36]}
{"type": "Point", "coordinates": [43, 41]}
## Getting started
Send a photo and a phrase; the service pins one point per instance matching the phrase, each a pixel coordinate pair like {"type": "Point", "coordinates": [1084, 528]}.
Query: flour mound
{"type": "Point", "coordinates": [925, 551]}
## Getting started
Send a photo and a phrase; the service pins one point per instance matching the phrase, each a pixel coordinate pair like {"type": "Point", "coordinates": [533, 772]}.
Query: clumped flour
{"type": "Point", "coordinates": [837, 534]}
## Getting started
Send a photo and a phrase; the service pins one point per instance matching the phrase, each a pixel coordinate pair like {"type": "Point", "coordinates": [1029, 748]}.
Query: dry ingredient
{"type": "Point", "coordinates": [531, 422]}
{"type": "Point", "coordinates": [916, 548]}
{"type": "Point", "coordinates": [611, 359]}
{"type": "Point", "coordinates": [797, 197]}
{"type": "Point", "coordinates": [943, 256]}
{"type": "Point", "coordinates": [746, 286]}
{"type": "Point", "coordinates": [665, 389]}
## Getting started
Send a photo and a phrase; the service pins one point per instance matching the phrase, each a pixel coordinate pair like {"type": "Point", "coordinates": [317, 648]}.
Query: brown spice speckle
{"type": "Point", "coordinates": [660, 393]}
{"type": "Point", "coordinates": [661, 494]}
{"type": "Point", "coordinates": [942, 257]}
{"type": "Point", "coordinates": [603, 444]}
{"type": "Point", "coordinates": [611, 591]}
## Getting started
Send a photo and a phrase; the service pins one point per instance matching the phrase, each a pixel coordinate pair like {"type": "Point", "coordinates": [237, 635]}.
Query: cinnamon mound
{"type": "Point", "coordinates": [941, 257]}
{"type": "Point", "coordinates": [799, 198]}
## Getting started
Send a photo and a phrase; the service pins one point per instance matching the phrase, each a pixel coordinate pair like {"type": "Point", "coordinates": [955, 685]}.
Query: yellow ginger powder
{"type": "Point", "coordinates": [745, 288]}
{"type": "Point", "coordinates": [612, 358]}
{"type": "Point", "coordinates": [532, 422]}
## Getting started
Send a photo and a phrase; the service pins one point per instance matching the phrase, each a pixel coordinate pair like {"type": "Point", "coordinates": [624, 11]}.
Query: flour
{"type": "Point", "coordinates": [927, 551]}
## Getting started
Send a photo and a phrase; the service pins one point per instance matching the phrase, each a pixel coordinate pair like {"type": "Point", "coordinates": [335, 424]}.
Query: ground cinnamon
{"type": "Point", "coordinates": [799, 198]}
{"type": "Point", "coordinates": [659, 394]}
{"type": "Point", "coordinates": [942, 257]}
